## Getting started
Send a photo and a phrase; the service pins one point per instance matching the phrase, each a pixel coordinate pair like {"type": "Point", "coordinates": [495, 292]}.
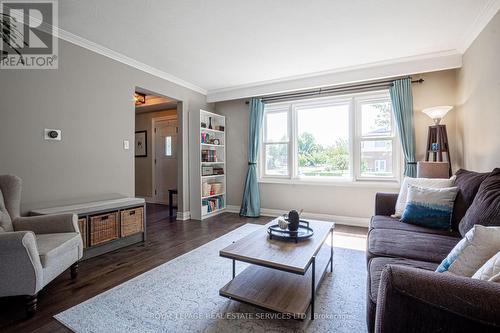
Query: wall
{"type": "Point", "coordinates": [439, 88]}
{"type": "Point", "coordinates": [347, 204]}
{"type": "Point", "coordinates": [90, 98]}
{"type": "Point", "coordinates": [479, 100]}
{"type": "Point", "coordinates": [144, 165]}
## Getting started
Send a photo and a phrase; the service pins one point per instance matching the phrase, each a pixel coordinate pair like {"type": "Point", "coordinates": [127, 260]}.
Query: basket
{"type": "Point", "coordinates": [132, 221]}
{"type": "Point", "coordinates": [103, 228]}
{"type": "Point", "coordinates": [82, 225]}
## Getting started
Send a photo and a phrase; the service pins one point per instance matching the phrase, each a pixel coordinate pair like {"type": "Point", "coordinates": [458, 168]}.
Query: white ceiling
{"type": "Point", "coordinates": [222, 44]}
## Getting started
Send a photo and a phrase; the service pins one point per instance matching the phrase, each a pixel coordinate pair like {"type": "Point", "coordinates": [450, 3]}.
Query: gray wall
{"type": "Point", "coordinates": [479, 100]}
{"type": "Point", "coordinates": [144, 165]}
{"type": "Point", "coordinates": [90, 98]}
{"type": "Point", "coordinates": [349, 203]}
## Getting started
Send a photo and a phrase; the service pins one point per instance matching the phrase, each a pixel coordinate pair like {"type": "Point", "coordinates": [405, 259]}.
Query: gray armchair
{"type": "Point", "coordinates": [33, 250]}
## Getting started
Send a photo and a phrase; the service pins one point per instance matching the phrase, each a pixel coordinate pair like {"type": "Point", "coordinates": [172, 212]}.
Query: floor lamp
{"type": "Point", "coordinates": [437, 137]}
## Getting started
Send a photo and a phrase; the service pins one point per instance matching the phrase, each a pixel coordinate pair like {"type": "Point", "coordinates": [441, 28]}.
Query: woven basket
{"type": "Point", "coordinates": [103, 228]}
{"type": "Point", "coordinates": [82, 225]}
{"type": "Point", "coordinates": [132, 221]}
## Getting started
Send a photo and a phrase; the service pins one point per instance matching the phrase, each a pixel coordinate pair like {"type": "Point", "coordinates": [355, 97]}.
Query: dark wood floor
{"type": "Point", "coordinates": [166, 239]}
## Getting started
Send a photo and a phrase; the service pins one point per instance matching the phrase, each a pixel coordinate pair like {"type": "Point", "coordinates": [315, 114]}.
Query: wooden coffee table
{"type": "Point", "coordinates": [284, 276]}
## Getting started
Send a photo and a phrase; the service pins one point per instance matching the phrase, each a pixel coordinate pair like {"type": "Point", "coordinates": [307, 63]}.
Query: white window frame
{"type": "Point", "coordinates": [355, 139]}
{"type": "Point", "coordinates": [372, 97]}
{"type": "Point", "coordinates": [275, 108]}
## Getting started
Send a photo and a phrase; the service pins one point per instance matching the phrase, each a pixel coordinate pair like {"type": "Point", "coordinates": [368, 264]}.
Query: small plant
{"type": "Point", "coordinates": [9, 32]}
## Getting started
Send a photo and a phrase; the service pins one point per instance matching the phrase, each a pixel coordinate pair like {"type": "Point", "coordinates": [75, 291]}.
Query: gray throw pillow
{"type": "Point", "coordinates": [485, 208]}
{"type": "Point", "coordinates": [468, 183]}
{"type": "Point", "coordinates": [5, 221]}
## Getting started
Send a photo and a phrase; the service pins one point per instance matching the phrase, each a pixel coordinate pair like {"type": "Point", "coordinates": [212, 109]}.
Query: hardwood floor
{"type": "Point", "coordinates": [166, 239]}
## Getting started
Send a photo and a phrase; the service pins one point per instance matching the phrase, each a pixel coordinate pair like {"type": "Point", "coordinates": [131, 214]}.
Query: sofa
{"type": "Point", "coordinates": [404, 293]}
{"type": "Point", "coordinates": [34, 250]}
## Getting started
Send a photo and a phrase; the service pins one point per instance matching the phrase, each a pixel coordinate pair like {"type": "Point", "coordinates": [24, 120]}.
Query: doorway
{"type": "Point", "coordinates": [164, 158]}
{"type": "Point", "coordinates": [156, 130]}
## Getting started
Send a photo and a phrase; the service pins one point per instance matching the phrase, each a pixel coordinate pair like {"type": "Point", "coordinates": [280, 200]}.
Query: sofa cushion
{"type": "Point", "coordinates": [387, 222]}
{"type": "Point", "coordinates": [485, 208]}
{"type": "Point", "coordinates": [409, 245]}
{"type": "Point", "coordinates": [430, 207]}
{"type": "Point", "coordinates": [468, 183]}
{"type": "Point", "coordinates": [376, 266]}
{"type": "Point", "coordinates": [478, 245]}
{"type": "Point", "coordinates": [422, 182]}
{"type": "Point", "coordinates": [490, 271]}
{"type": "Point", "coordinates": [51, 246]}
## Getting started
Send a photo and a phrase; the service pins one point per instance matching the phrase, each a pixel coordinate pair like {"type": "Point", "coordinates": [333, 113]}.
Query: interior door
{"type": "Point", "coordinates": [165, 159]}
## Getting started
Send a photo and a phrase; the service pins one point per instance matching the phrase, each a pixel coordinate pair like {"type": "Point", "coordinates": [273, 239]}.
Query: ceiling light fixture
{"type": "Point", "coordinates": [139, 98]}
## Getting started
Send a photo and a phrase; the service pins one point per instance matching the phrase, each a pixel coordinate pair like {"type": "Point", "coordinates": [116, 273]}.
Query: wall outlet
{"type": "Point", "coordinates": [126, 144]}
{"type": "Point", "coordinates": [52, 134]}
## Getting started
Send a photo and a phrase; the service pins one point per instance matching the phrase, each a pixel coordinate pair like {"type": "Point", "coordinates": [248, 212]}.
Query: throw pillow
{"type": "Point", "coordinates": [422, 182]}
{"type": "Point", "coordinates": [485, 208]}
{"type": "Point", "coordinates": [429, 207]}
{"type": "Point", "coordinates": [490, 271]}
{"type": "Point", "coordinates": [478, 245]}
{"type": "Point", "coordinates": [5, 222]}
{"type": "Point", "coordinates": [468, 183]}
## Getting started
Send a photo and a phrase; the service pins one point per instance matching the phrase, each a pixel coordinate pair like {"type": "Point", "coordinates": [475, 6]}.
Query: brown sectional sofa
{"type": "Point", "coordinates": [404, 294]}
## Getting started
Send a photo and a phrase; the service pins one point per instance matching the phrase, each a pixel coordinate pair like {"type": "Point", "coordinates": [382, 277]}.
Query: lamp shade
{"type": "Point", "coordinates": [437, 112]}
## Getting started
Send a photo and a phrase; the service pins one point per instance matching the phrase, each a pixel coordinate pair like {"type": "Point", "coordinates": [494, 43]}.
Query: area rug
{"type": "Point", "coordinates": [182, 296]}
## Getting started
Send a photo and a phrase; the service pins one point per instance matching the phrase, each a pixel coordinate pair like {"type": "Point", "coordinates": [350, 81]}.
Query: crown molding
{"type": "Point", "coordinates": [102, 50]}
{"type": "Point", "coordinates": [483, 18]}
{"type": "Point", "coordinates": [424, 63]}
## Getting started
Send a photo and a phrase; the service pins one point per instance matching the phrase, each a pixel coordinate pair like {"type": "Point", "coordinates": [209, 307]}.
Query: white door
{"type": "Point", "coordinates": [165, 159]}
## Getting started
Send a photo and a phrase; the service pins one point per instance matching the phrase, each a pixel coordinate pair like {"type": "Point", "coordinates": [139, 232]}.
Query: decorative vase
{"type": "Point", "coordinates": [210, 122]}
{"type": "Point", "coordinates": [293, 220]}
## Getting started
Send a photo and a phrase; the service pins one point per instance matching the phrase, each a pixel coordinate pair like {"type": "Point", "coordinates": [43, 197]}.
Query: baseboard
{"type": "Point", "coordinates": [345, 220]}
{"type": "Point", "coordinates": [183, 216]}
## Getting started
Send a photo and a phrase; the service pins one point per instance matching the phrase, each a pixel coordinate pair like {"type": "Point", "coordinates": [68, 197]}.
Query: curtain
{"type": "Point", "coordinates": [402, 106]}
{"type": "Point", "coordinates": [250, 205]}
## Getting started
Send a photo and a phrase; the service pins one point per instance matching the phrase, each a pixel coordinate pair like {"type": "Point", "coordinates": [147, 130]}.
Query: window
{"type": "Point", "coordinates": [347, 138]}
{"type": "Point", "coordinates": [168, 146]}
{"type": "Point", "coordinates": [276, 142]}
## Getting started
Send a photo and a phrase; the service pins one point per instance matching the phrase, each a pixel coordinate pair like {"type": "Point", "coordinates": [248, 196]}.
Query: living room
{"type": "Point", "coordinates": [333, 166]}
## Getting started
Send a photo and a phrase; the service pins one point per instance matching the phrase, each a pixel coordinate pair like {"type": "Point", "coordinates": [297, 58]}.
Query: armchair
{"type": "Point", "coordinates": [33, 250]}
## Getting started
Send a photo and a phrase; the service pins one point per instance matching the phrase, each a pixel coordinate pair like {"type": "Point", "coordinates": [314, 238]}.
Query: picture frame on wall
{"type": "Point", "coordinates": [141, 144]}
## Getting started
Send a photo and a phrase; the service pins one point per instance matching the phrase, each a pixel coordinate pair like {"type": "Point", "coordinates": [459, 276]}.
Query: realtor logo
{"type": "Point", "coordinates": [28, 34]}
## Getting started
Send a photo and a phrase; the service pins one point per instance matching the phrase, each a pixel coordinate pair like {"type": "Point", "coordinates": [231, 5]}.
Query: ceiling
{"type": "Point", "coordinates": [214, 45]}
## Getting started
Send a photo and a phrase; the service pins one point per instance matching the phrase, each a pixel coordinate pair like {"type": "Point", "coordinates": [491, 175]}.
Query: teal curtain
{"type": "Point", "coordinates": [402, 106]}
{"type": "Point", "coordinates": [250, 205]}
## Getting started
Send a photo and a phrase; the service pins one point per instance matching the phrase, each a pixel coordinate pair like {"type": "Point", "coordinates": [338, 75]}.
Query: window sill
{"type": "Point", "coordinates": [380, 184]}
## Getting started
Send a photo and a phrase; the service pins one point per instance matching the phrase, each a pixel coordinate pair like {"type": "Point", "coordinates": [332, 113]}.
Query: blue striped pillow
{"type": "Point", "coordinates": [429, 207]}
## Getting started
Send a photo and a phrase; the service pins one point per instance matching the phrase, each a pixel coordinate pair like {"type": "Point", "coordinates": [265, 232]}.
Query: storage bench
{"type": "Point", "coordinates": [106, 225]}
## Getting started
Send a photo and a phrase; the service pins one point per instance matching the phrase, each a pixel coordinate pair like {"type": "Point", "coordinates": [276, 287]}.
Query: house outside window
{"type": "Point", "coordinates": [331, 139]}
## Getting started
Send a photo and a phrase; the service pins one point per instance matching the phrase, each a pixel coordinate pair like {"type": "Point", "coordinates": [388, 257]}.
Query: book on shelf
{"type": "Point", "coordinates": [208, 155]}
{"type": "Point", "coordinates": [213, 204]}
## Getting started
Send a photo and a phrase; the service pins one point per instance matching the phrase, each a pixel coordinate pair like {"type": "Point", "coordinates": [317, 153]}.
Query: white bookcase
{"type": "Point", "coordinates": [208, 167]}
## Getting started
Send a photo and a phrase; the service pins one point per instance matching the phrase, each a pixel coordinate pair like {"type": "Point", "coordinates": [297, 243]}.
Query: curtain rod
{"type": "Point", "coordinates": [332, 90]}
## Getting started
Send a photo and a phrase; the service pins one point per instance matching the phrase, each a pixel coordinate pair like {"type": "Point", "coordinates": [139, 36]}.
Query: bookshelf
{"type": "Point", "coordinates": [209, 169]}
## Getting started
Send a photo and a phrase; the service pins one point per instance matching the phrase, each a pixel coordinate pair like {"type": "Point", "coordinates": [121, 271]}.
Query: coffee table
{"type": "Point", "coordinates": [284, 276]}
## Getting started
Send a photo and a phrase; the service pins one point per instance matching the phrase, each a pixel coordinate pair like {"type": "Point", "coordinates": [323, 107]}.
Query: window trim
{"type": "Point", "coordinates": [374, 97]}
{"type": "Point", "coordinates": [355, 132]}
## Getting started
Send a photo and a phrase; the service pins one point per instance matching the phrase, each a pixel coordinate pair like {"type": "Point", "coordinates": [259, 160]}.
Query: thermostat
{"type": "Point", "coordinates": [52, 134]}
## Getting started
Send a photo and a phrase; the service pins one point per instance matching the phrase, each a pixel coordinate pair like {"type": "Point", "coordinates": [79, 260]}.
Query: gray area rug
{"type": "Point", "coordinates": [182, 296]}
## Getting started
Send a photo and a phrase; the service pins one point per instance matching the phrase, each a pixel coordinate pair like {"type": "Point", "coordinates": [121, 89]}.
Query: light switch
{"type": "Point", "coordinates": [126, 145]}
